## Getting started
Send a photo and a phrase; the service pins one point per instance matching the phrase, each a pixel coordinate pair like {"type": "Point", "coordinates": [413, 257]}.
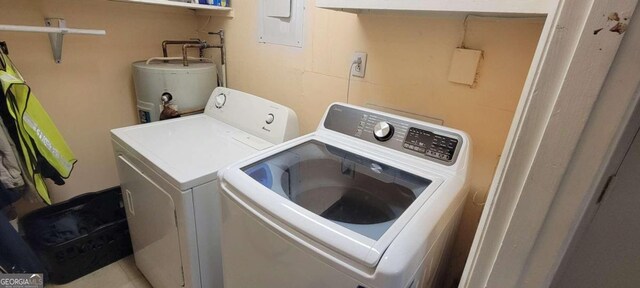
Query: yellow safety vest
{"type": "Point", "coordinates": [36, 130]}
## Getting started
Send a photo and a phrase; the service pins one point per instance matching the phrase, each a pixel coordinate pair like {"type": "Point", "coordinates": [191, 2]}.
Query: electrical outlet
{"type": "Point", "coordinates": [359, 69]}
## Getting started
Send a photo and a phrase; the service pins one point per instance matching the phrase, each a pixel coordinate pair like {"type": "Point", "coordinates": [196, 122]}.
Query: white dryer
{"type": "Point", "coordinates": [168, 173]}
{"type": "Point", "coordinates": [369, 200]}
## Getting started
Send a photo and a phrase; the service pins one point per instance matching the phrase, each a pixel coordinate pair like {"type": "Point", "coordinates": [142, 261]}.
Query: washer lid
{"type": "Point", "coordinates": [188, 151]}
{"type": "Point", "coordinates": [352, 203]}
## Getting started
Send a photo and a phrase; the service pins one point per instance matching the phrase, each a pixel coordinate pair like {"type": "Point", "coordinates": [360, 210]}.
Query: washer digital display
{"type": "Point", "coordinates": [431, 144]}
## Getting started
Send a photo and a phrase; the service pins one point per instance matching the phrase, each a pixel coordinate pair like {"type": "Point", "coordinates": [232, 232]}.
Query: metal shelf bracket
{"type": "Point", "coordinates": [56, 38]}
{"type": "Point", "coordinates": [56, 28]}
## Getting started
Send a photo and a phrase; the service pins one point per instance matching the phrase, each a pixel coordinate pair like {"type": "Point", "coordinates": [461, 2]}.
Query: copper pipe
{"type": "Point", "coordinates": [223, 55]}
{"type": "Point", "coordinates": [201, 46]}
{"type": "Point", "coordinates": [220, 34]}
{"type": "Point", "coordinates": [185, 61]}
{"type": "Point", "coordinates": [165, 43]}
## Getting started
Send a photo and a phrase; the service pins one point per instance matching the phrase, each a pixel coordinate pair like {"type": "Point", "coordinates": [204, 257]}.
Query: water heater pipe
{"type": "Point", "coordinates": [223, 56]}
{"type": "Point", "coordinates": [166, 43]}
{"type": "Point", "coordinates": [201, 45]}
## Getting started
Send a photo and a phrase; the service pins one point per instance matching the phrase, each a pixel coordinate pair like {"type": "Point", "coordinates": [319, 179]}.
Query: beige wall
{"type": "Point", "coordinates": [91, 91]}
{"type": "Point", "coordinates": [407, 69]}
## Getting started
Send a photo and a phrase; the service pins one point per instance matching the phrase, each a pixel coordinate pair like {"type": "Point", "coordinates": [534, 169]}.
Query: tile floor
{"type": "Point", "coordinates": [120, 274]}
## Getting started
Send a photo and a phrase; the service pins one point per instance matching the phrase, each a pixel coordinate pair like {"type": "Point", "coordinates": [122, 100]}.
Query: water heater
{"type": "Point", "coordinates": [189, 86]}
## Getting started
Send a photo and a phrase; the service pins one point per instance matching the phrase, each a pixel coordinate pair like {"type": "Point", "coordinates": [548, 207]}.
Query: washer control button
{"type": "Point", "coordinates": [220, 100]}
{"type": "Point", "coordinates": [270, 118]}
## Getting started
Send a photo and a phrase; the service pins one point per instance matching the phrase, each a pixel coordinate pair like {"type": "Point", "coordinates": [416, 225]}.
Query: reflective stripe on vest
{"type": "Point", "coordinates": [50, 147]}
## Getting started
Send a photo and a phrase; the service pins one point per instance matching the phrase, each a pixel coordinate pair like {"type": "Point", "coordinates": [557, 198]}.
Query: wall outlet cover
{"type": "Point", "coordinates": [464, 66]}
{"type": "Point", "coordinates": [359, 70]}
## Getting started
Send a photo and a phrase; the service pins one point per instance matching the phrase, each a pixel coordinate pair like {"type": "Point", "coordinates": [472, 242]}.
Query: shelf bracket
{"type": "Point", "coordinates": [56, 38]}
{"type": "Point", "coordinates": [56, 28]}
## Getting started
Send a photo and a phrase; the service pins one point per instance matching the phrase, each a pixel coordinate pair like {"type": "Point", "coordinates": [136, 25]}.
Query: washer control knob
{"type": "Point", "coordinates": [383, 131]}
{"type": "Point", "coordinates": [220, 100]}
{"type": "Point", "coordinates": [270, 118]}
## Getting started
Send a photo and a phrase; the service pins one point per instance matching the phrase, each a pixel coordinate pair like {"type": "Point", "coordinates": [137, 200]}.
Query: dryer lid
{"type": "Point", "coordinates": [188, 151]}
{"type": "Point", "coordinates": [349, 202]}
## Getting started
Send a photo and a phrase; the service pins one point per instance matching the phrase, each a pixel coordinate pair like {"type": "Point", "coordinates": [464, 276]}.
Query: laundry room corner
{"type": "Point", "coordinates": [318, 143]}
{"type": "Point", "coordinates": [91, 91]}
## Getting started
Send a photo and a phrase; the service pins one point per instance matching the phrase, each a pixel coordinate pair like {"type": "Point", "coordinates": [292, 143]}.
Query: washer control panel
{"type": "Point", "coordinates": [431, 144]}
{"type": "Point", "coordinates": [416, 138]}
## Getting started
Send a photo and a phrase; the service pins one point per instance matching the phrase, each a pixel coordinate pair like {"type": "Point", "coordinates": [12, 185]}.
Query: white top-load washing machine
{"type": "Point", "coordinates": [168, 173]}
{"type": "Point", "coordinates": [369, 200]}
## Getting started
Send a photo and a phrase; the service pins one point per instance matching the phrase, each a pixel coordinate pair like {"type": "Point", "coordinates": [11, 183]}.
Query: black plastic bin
{"type": "Point", "coordinates": [80, 235]}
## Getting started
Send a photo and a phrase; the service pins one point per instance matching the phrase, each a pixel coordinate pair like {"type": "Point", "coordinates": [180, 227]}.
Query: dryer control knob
{"type": "Point", "coordinates": [270, 118]}
{"type": "Point", "coordinates": [383, 131]}
{"type": "Point", "coordinates": [220, 100]}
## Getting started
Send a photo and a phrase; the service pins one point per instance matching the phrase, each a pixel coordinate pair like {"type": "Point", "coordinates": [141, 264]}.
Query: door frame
{"type": "Point", "coordinates": [561, 135]}
{"type": "Point", "coordinates": [608, 183]}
